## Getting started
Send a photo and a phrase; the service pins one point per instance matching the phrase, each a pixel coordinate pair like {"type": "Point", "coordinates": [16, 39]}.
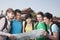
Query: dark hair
{"type": "Point", "coordinates": [40, 13]}
{"type": "Point", "coordinates": [28, 16]}
{"type": "Point", "coordinates": [17, 11]}
{"type": "Point", "coordinates": [9, 10]}
{"type": "Point", "coordinates": [48, 15]}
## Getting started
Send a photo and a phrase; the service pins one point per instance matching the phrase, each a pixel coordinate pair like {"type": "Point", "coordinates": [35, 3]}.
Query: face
{"type": "Point", "coordinates": [28, 20]}
{"type": "Point", "coordinates": [39, 18]}
{"type": "Point", "coordinates": [18, 16]}
{"type": "Point", "coordinates": [46, 20]}
{"type": "Point", "coordinates": [10, 15]}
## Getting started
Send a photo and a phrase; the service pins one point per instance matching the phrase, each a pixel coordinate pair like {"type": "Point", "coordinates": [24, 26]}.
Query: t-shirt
{"type": "Point", "coordinates": [28, 28]}
{"type": "Point", "coordinates": [16, 27]}
{"type": "Point", "coordinates": [54, 28]}
{"type": "Point", "coordinates": [41, 26]}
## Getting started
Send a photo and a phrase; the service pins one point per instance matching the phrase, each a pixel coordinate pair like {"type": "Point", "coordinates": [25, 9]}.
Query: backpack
{"type": "Point", "coordinates": [26, 24]}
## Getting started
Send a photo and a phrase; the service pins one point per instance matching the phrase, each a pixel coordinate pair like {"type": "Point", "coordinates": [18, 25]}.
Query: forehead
{"type": "Point", "coordinates": [45, 18]}
{"type": "Point", "coordinates": [10, 12]}
{"type": "Point", "coordinates": [38, 15]}
{"type": "Point", "coordinates": [29, 18]}
{"type": "Point", "coordinates": [18, 13]}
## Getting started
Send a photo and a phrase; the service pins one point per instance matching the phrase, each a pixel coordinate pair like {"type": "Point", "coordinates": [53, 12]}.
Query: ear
{"type": "Point", "coordinates": [51, 19]}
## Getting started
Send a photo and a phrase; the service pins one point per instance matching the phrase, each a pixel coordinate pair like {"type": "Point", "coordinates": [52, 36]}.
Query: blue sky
{"type": "Point", "coordinates": [52, 6]}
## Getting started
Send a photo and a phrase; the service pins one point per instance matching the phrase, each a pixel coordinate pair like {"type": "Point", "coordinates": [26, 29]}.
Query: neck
{"type": "Point", "coordinates": [16, 19]}
{"type": "Point", "coordinates": [29, 22]}
{"type": "Point", "coordinates": [50, 23]}
{"type": "Point", "coordinates": [40, 21]}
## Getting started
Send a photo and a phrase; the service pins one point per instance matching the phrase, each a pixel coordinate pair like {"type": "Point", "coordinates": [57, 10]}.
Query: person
{"type": "Point", "coordinates": [5, 24]}
{"type": "Point", "coordinates": [53, 31]}
{"type": "Point", "coordinates": [40, 24]}
{"type": "Point", "coordinates": [28, 25]}
{"type": "Point", "coordinates": [16, 23]}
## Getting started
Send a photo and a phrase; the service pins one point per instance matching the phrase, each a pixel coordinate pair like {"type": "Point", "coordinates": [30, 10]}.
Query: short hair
{"type": "Point", "coordinates": [48, 15]}
{"type": "Point", "coordinates": [9, 10]}
{"type": "Point", "coordinates": [17, 11]}
{"type": "Point", "coordinates": [40, 13]}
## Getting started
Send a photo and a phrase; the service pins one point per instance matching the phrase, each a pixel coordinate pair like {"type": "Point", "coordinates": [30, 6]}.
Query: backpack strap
{"type": "Point", "coordinates": [32, 26]}
{"type": "Point", "coordinates": [51, 29]}
{"type": "Point", "coordinates": [25, 26]}
{"type": "Point", "coordinates": [5, 25]}
{"type": "Point", "coordinates": [36, 25]}
{"type": "Point", "coordinates": [46, 29]}
{"type": "Point", "coordinates": [22, 26]}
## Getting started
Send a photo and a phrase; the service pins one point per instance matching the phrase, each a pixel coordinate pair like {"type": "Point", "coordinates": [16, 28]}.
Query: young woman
{"type": "Point", "coordinates": [28, 25]}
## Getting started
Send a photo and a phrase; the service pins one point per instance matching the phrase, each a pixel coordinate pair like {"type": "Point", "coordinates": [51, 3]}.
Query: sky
{"type": "Point", "coordinates": [52, 6]}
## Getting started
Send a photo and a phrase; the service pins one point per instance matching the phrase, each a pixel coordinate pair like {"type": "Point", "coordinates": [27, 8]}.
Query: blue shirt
{"type": "Point", "coordinates": [16, 27]}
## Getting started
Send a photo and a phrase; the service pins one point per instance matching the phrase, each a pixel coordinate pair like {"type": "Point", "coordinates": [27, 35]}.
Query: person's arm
{"type": "Point", "coordinates": [4, 34]}
{"type": "Point", "coordinates": [23, 25]}
{"type": "Point", "coordinates": [55, 31]}
{"type": "Point", "coordinates": [54, 36]}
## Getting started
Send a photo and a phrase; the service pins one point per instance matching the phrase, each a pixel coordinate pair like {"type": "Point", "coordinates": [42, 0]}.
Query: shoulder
{"type": "Point", "coordinates": [2, 19]}
{"type": "Point", "coordinates": [55, 28]}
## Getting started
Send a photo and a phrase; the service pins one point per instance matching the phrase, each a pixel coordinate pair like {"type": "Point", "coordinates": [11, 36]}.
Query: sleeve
{"type": "Point", "coordinates": [55, 28]}
{"type": "Point", "coordinates": [2, 22]}
{"type": "Point", "coordinates": [3, 34]}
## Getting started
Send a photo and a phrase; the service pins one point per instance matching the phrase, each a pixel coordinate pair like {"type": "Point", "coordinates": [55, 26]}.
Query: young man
{"type": "Point", "coordinates": [40, 24]}
{"type": "Point", "coordinates": [5, 24]}
{"type": "Point", "coordinates": [16, 23]}
{"type": "Point", "coordinates": [53, 29]}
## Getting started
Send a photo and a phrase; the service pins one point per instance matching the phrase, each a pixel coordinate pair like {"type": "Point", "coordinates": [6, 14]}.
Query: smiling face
{"type": "Point", "coordinates": [10, 15]}
{"type": "Point", "coordinates": [46, 20]}
{"type": "Point", "coordinates": [39, 18]}
{"type": "Point", "coordinates": [28, 20]}
{"type": "Point", "coordinates": [18, 16]}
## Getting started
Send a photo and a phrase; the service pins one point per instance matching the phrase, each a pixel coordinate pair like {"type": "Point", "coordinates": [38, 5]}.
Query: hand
{"type": "Point", "coordinates": [11, 36]}
{"type": "Point", "coordinates": [45, 33]}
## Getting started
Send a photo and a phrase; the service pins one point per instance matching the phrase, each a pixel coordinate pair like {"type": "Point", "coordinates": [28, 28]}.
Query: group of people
{"type": "Point", "coordinates": [12, 24]}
